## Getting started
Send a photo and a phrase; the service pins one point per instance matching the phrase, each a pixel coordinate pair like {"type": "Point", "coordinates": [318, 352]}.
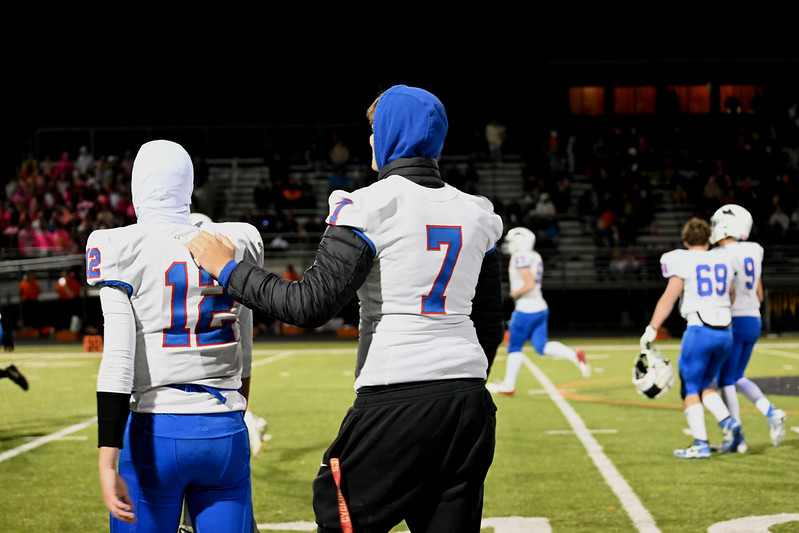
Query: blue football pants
{"type": "Point", "coordinates": [745, 333]}
{"type": "Point", "coordinates": [205, 457]}
{"type": "Point", "coordinates": [532, 326]}
{"type": "Point", "coordinates": [702, 352]}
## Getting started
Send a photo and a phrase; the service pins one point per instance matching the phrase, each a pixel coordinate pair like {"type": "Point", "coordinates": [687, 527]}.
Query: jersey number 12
{"type": "Point", "coordinates": [178, 334]}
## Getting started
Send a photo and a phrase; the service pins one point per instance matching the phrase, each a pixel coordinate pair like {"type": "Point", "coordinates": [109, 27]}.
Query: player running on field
{"type": "Point", "coordinates": [530, 318]}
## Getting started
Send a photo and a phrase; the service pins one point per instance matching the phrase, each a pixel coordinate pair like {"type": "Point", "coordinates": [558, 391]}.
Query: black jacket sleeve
{"type": "Point", "coordinates": [487, 307]}
{"type": "Point", "coordinates": [343, 260]}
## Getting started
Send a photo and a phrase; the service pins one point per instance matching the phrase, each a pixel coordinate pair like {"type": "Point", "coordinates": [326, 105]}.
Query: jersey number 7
{"type": "Point", "coordinates": [435, 301]}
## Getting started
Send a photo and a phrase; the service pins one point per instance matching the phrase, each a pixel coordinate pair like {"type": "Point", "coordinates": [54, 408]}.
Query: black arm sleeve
{"type": "Point", "coordinates": [343, 260]}
{"type": "Point", "coordinates": [487, 307]}
{"type": "Point", "coordinates": [113, 409]}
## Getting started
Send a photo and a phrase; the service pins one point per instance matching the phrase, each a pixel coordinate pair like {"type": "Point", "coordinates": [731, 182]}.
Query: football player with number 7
{"type": "Point", "coordinates": [421, 255]}
{"type": "Point", "coordinates": [702, 280]}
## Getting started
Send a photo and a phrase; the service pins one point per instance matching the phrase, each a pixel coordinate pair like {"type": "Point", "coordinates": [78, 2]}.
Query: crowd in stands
{"type": "Point", "coordinates": [287, 204]}
{"type": "Point", "coordinates": [51, 206]}
{"type": "Point", "coordinates": [751, 160]}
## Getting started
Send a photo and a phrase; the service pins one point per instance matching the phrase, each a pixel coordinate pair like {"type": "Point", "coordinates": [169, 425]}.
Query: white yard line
{"type": "Point", "coordinates": [22, 356]}
{"type": "Point", "coordinates": [314, 351]}
{"type": "Point", "coordinates": [270, 359]}
{"type": "Point", "coordinates": [768, 349]}
{"type": "Point", "coordinates": [28, 446]}
{"type": "Point", "coordinates": [642, 519]}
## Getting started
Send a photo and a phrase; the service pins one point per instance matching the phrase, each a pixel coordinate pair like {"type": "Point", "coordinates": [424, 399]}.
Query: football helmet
{"type": "Point", "coordinates": [730, 220]}
{"type": "Point", "coordinates": [518, 240]}
{"type": "Point", "coordinates": [653, 373]}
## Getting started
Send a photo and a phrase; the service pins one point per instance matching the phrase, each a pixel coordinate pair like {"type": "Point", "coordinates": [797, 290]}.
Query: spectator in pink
{"type": "Point", "coordinates": [64, 166]}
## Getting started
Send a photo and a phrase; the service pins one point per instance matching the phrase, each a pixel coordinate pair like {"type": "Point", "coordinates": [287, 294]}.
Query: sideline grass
{"type": "Point", "coordinates": [555, 475]}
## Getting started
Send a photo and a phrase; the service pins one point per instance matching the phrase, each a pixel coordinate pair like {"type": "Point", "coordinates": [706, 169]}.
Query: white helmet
{"type": "Point", "coordinates": [653, 373]}
{"type": "Point", "coordinates": [730, 221]}
{"type": "Point", "coordinates": [518, 240]}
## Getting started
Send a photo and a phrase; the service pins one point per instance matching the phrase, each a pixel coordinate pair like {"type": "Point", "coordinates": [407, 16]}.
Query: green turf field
{"type": "Point", "coordinates": [572, 455]}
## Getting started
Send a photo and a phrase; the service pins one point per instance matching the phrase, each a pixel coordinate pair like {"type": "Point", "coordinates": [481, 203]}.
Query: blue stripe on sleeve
{"type": "Point", "coordinates": [122, 284]}
{"type": "Point", "coordinates": [367, 239]}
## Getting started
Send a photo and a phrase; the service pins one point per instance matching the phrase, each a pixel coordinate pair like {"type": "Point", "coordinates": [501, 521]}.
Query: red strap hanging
{"type": "Point", "coordinates": [343, 512]}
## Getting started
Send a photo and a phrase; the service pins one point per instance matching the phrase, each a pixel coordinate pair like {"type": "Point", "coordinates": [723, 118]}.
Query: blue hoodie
{"type": "Point", "coordinates": [408, 122]}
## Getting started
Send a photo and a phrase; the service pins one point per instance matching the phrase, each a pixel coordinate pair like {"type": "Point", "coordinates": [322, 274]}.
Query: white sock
{"type": "Point", "coordinates": [763, 405]}
{"type": "Point", "coordinates": [730, 395]}
{"type": "Point", "coordinates": [512, 368]}
{"type": "Point", "coordinates": [560, 351]}
{"type": "Point", "coordinates": [750, 390]}
{"type": "Point", "coordinates": [715, 405]}
{"type": "Point", "coordinates": [695, 414]}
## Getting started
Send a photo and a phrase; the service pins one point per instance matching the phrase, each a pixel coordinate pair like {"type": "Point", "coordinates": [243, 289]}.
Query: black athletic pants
{"type": "Point", "coordinates": [417, 452]}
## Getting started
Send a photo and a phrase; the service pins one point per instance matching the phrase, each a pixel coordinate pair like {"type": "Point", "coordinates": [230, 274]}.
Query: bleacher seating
{"type": "Point", "coordinates": [576, 257]}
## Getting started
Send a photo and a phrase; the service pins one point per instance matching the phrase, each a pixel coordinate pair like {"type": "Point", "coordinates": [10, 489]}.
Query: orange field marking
{"type": "Point", "coordinates": [652, 403]}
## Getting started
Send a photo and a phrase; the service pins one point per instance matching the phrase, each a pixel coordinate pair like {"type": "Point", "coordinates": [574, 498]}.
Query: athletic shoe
{"type": "Point", "coordinates": [17, 377]}
{"type": "Point", "coordinates": [742, 446]}
{"type": "Point", "coordinates": [733, 435]}
{"type": "Point", "coordinates": [256, 426]}
{"type": "Point", "coordinates": [699, 450]}
{"type": "Point", "coordinates": [500, 388]}
{"type": "Point", "coordinates": [776, 426]}
{"type": "Point", "coordinates": [583, 364]}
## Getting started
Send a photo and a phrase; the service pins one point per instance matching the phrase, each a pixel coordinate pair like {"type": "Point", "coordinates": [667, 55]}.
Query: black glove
{"type": "Point", "coordinates": [8, 342]}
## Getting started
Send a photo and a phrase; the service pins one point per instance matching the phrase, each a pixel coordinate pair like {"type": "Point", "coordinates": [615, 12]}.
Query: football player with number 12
{"type": "Point", "coordinates": [174, 376]}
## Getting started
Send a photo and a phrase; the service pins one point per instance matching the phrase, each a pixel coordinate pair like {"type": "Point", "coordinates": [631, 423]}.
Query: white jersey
{"type": "Point", "coordinates": [531, 301]}
{"type": "Point", "coordinates": [748, 260]}
{"type": "Point", "coordinates": [708, 276]}
{"type": "Point", "coordinates": [415, 304]}
{"type": "Point", "coordinates": [188, 330]}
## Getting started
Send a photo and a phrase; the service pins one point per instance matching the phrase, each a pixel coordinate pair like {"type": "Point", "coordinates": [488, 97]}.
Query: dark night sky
{"type": "Point", "coordinates": [239, 77]}
{"type": "Point", "coordinates": [257, 94]}
{"type": "Point", "coordinates": [154, 87]}
{"type": "Point", "coordinates": [229, 65]}
{"type": "Point", "coordinates": [260, 94]}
